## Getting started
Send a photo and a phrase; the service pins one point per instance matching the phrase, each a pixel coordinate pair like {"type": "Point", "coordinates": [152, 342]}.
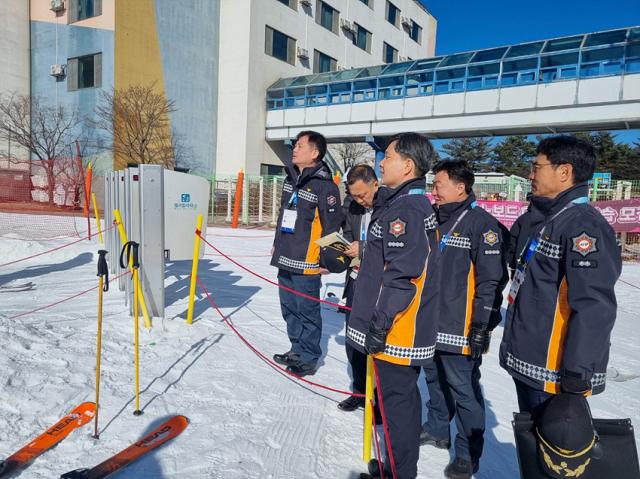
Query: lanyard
{"type": "Point", "coordinates": [293, 201]}
{"type": "Point", "coordinates": [445, 238]}
{"type": "Point", "coordinates": [532, 244]}
{"type": "Point", "coordinates": [364, 225]}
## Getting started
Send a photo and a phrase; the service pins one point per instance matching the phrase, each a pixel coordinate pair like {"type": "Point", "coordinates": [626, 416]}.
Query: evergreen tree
{"type": "Point", "coordinates": [475, 151]}
{"type": "Point", "coordinates": [619, 159]}
{"type": "Point", "coordinates": [513, 156]}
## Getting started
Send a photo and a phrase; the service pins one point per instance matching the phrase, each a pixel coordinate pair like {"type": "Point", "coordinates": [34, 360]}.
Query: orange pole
{"type": "Point", "coordinates": [238, 199]}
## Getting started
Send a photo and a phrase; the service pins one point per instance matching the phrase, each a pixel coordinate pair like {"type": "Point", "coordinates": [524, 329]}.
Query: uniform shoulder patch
{"type": "Point", "coordinates": [331, 200]}
{"type": "Point", "coordinates": [584, 244]}
{"type": "Point", "coordinates": [397, 227]}
{"type": "Point", "coordinates": [491, 238]}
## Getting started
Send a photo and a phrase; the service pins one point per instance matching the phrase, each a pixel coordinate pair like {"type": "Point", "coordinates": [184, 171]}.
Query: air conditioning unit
{"type": "Point", "coordinates": [58, 70]}
{"type": "Point", "coordinates": [406, 21]}
{"type": "Point", "coordinates": [402, 58]}
{"type": "Point", "coordinates": [57, 5]}
{"type": "Point", "coordinates": [303, 53]}
{"type": "Point", "coordinates": [305, 3]}
{"type": "Point", "coordinates": [340, 67]}
{"type": "Point", "coordinates": [346, 25]}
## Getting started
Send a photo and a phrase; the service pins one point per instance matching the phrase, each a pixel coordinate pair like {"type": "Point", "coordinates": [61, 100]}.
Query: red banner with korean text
{"type": "Point", "coordinates": [622, 215]}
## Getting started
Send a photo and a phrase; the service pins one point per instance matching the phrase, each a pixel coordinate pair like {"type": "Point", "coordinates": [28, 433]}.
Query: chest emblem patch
{"type": "Point", "coordinates": [584, 244]}
{"type": "Point", "coordinates": [397, 227]}
{"type": "Point", "coordinates": [490, 237]}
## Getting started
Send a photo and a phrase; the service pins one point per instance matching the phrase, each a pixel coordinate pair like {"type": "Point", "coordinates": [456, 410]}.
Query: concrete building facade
{"type": "Point", "coordinates": [262, 41]}
{"type": "Point", "coordinates": [14, 57]}
{"type": "Point", "coordinates": [214, 59]}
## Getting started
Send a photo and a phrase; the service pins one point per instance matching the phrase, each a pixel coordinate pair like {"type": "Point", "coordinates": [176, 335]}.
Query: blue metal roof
{"type": "Point", "coordinates": [614, 52]}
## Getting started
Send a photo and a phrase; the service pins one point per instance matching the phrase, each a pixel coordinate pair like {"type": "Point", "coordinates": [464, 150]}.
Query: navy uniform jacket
{"type": "Point", "coordinates": [471, 272]}
{"type": "Point", "coordinates": [318, 213]}
{"type": "Point", "coordinates": [391, 285]}
{"type": "Point", "coordinates": [561, 320]}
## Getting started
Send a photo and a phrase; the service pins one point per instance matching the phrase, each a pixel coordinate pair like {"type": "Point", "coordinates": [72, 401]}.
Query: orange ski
{"type": "Point", "coordinates": [162, 434]}
{"type": "Point", "coordinates": [52, 436]}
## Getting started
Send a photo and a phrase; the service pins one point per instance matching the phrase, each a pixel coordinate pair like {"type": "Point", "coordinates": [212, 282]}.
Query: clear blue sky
{"type": "Point", "coordinates": [474, 24]}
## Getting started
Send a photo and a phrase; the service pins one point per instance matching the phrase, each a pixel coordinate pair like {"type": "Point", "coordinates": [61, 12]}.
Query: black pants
{"type": "Point", "coordinates": [403, 411]}
{"type": "Point", "coordinates": [529, 399]}
{"type": "Point", "coordinates": [357, 360]}
{"type": "Point", "coordinates": [453, 381]}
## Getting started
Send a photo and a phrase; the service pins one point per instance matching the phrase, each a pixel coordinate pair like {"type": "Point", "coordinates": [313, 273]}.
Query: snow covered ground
{"type": "Point", "coordinates": [246, 420]}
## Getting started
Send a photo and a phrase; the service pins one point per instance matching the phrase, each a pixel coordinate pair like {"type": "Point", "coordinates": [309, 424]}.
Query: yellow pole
{"type": "Point", "coordinates": [194, 269]}
{"type": "Point", "coordinates": [136, 326]}
{"type": "Point", "coordinates": [97, 215]}
{"type": "Point", "coordinates": [124, 239]}
{"type": "Point", "coordinates": [368, 412]}
{"type": "Point", "coordinates": [98, 355]}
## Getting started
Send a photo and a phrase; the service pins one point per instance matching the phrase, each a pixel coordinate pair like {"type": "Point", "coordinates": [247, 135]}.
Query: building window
{"type": "Point", "coordinates": [323, 63]}
{"type": "Point", "coordinates": [362, 38]}
{"type": "Point", "coordinates": [327, 16]}
{"type": "Point", "coordinates": [289, 3]}
{"type": "Point", "coordinates": [280, 46]}
{"type": "Point", "coordinates": [416, 32]}
{"type": "Point", "coordinates": [389, 54]}
{"type": "Point", "coordinates": [368, 3]}
{"type": "Point", "coordinates": [393, 14]}
{"type": "Point", "coordinates": [84, 72]}
{"type": "Point", "coordinates": [82, 9]}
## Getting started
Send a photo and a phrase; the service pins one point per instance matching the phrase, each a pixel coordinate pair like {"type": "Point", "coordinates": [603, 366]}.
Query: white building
{"type": "Point", "coordinates": [264, 40]}
{"type": "Point", "coordinates": [14, 58]}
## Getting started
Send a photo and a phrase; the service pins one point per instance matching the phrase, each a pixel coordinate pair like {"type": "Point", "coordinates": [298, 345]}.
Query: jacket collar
{"type": "Point", "coordinates": [542, 208]}
{"type": "Point", "coordinates": [453, 210]}
{"type": "Point", "coordinates": [320, 171]}
{"type": "Point", "coordinates": [405, 188]}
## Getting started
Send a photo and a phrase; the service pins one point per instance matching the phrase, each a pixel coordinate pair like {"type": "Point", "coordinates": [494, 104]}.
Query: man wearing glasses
{"type": "Point", "coordinates": [562, 304]}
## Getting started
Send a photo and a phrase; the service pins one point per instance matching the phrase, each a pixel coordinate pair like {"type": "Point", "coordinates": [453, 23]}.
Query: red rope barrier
{"type": "Point", "coordinates": [265, 358]}
{"type": "Point", "coordinates": [264, 278]}
{"type": "Point", "coordinates": [384, 421]}
{"type": "Point", "coordinates": [375, 435]}
{"type": "Point", "coordinates": [63, 300]}
{"type": "Point", "coordinates": [50, 250]}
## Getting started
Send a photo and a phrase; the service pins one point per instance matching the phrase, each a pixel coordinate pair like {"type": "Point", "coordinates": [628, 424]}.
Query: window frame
{"type": "Point", "coordinates": [395, 54]}
{"type": "Point", "coordinates": [398, 14]}
{"type": "Point", "coordinates": [335, 16]}
{"type": "Point", "coordinates": [75, 72]}
{"type": "Point", "coordinates": [291, 46]}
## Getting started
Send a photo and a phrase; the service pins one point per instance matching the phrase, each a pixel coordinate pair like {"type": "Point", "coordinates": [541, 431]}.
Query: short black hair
{"type": "Point", "coordinates": [569, 150]}
{"type": "Point", "coordinates": [361, 172]}
{"type": "Point", "coordinates": [417, 148]}
{"type": "Point", "coordinates": [458, 171]}
{"type": "Point", "coordinates": [316, 139]}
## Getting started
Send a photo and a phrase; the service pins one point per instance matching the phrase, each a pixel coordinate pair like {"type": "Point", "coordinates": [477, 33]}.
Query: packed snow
{"type": "Point", "coordinates": [246, 419]}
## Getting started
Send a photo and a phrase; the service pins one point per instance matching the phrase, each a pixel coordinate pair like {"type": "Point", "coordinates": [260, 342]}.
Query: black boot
{"type": "Point", "coordinates": [302, 369]}
{"type": "Point", "coordinates": [286, 359]}
{"type": "Point", "coordinates": [427, 439]}
{"type": "Point", "coordinates": [351, 403]}
{"type": "Point", "coordinates": [460, 469]}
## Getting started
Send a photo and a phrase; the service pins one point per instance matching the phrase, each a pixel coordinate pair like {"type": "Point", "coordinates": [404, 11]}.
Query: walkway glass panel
{"type": "Point", "coordinates": [614, 52]}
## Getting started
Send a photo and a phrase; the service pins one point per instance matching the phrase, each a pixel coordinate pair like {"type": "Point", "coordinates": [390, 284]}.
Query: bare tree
{"type": "Point", "coordinates": [44, 130]}
{"type": "Point", "coordinates": [351, 154]}
{"type": "Point", "coordinates": [137, 119]}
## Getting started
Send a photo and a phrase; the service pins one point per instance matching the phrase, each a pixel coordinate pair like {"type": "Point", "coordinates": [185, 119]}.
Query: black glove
{"type": "Point", "coordinates": [376, 340]}
{"type": "Point", "coordinates": [573, 384]}
{"type": "Point", "coordinates": [479, 340]}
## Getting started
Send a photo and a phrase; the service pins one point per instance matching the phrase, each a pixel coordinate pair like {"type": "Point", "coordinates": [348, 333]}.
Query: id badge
{"type": "Point", "coordinates": [518, 279]}
{"type": "Point", "coordinates": [289, 221]}
{"type": "Point", "coordinates": [354, 272]}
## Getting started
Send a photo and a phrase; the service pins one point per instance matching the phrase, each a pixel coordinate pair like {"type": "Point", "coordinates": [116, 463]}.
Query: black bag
{"type": "Point", "coordinates": [619, 455]}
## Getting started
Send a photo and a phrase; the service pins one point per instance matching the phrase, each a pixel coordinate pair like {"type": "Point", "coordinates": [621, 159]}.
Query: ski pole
{"type": "Point", "coordinates": [103, 285]}
{"type": "Point", "coordinates": [130, 248]}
